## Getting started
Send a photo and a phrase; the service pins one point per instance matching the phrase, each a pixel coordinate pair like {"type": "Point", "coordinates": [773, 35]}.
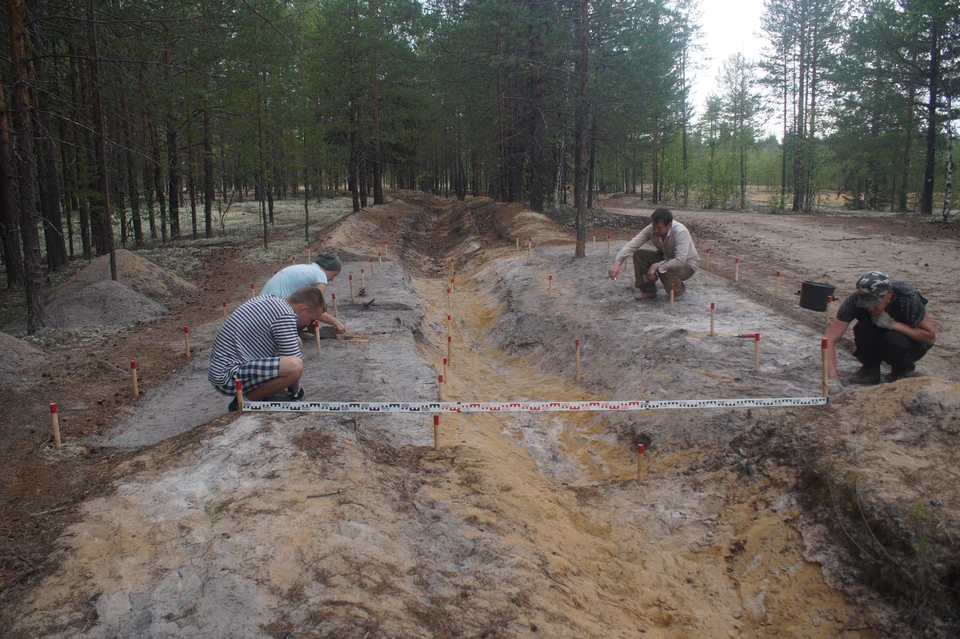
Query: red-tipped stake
{"type": "Point", "coordinates": [352, 298]}
{"type": "Point", "coordinates": [186, 339]}
{"type": "Point", "coordinates": [576, 345]}
{"type": "Point", "coordinates": [239, 395]}
{"type": "Point", "coordinates": [436, 432]}
{"type": "Point", "coordinates": [316, 332]}
{"type": "Point", "coordinates": [712, 307]}
{"type": "Point", "coordinates": [373, 273]}
{"type": "Point", "coordinates": [449, 349]}
{"type": "Point", "coordinates": [363, 280]}
{"type": "Point", "coordinates": [379, 259]}
{"type": "Point", "coordinates": [706, 264]}
{"type": "Point", "coordinates": [445, 367]}
{"type": "Point", "coordinates": [452, 272]}
{"type": "Point", "coordinates": [449, 299]}
{"type": "Point", "coordinates": [55, 425]}
{"type": "Point", "coordinates": [608, 244]}
{"type": "Point", "coordinates": [251, 290]}
{"type": "Point", "coordinates": [133, 374]}
{"type": "Point", "coordinates": [827, 312]}
{"type": "Point", "coordinates": [440, 387]}
{"type": "Point", "coordinates": [594, 240]}
{"type": "Point", "coordinates": [671, 295]}
{"type": "Point", "coordinates": [224, 310]}
{"type": "Point", "coordinates": [736, 272]}
{"type": "Point", "coordinates": [452, 280]}
{"type": "Point", "coordinates": [824, 357]}
{"type": "Point", "coordinates": [640, 452]}
{"type": "Point", "coordinates": [756, 352]}
{"type": "Point", "coordinates": [449, 321]}
{"type": "Point", "coordinates": [336, 313]}
{"type": "Point", "coordinates": [293, 259]}
{"type": "Point", "coordinates": [776, 287]}
{"type": "Point", "coordinates": [549, 285]}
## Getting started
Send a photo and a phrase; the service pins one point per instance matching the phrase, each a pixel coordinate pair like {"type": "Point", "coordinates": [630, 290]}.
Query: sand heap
{"type": "Point", "coordinates": [18, 358]}
{"type": "Point", "coordinates": [141, 275]}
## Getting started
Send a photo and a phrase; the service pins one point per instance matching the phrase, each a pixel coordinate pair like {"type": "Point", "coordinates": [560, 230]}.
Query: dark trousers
{"type": "Point", "coordinates": [876, 345]}
{"type": "Point", "coordinates": [644, 258]}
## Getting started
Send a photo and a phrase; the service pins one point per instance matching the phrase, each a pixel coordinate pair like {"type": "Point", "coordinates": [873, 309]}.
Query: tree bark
{"type": "Point", "coordinates": [582, 130]}
{"type": "Point", "coordinates": [9, 225]}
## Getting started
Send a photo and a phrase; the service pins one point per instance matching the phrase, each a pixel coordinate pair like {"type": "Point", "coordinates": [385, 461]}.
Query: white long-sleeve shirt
{"type": "Point", "coordinates": [677, 247]}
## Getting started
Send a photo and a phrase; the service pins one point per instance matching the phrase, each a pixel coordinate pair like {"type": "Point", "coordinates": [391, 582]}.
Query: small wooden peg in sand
{"type": "Point", "coordinates": [133, 375]}
{"type": "Point", "coordinates": [449, 349]}
{"type": "Point", "coordinates": [186, 339]}
{"type": "Point", "coordinates": [609, 237]}
{"type": "Point", "coordinates": [449, 322]}
{"type": "Point", "coordinates": [452, 282]}
{"type": "Point", "coordinates": [549, 285]}
{"type": "Point", "coordinates": [293, 259]}
{"type": "Point", "coordinates": [440, 387]}
{"type": "Point", "coordinates": [672, 293]}
{"type": "Point", "coordinates": [316, 333]}
{"type": "Point", "coordinates": [827, 312]}
{"type": "Point", "coordinates": [380, 258]}
{"type": "Point", "coordinates": [55, 425]}
{"type": "Point", "coordinates": [776, 287]}
{"type": "Point", "coordinates": [372, 271]}
{"type": "Point", "coordinates": [363, 280]}
{"type": "Point", "coordinates": [736, 272]}
{"type": "Point", "coordinates": [239, 395]}
{"type": "Point", "coordinates": [352, 298]}
{"type": "Point", "coordinates": [826, 370]}
{"type": "Point", "coordinates": [756, 352]}
{"type": "Point", "coordinates": [449, 299]}
{"type": "Point", "coordinates": [706, 264]}
{"type": "Point", "coordinates": [640, 452]}
{"type": "Point", "coordinates": [224, 310]}
{"type": "Point", "coordinates": [712, 309]}
{"type": "Point", "coordinates": [436, 432]}
{"type": "Point", "coordinates": [576, 346]}
{"type": "Point", "coordinates": [251, 290]}
{"type": "Point", "coordinates": [336, 313]}
{"type": "Point", "coordinates": [445, 368]}
{"type": "Point", "coordinates": [452, 272]}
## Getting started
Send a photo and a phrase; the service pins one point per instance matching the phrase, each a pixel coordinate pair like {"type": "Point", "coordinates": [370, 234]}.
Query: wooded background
{"type": "Point", "coordinates": [145, 119]}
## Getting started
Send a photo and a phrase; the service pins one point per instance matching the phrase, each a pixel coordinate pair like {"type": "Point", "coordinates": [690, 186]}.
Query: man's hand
{"type": "Point", "coordinates": [339, 327]}
{"type": "Point", "coordinates": [883, 320]}
{"type": "Point", "coordinates": [652, 272]}
{"type": "Point", "coordinates": [614, 271]}
{"type": "Point", "coordinates": [834, 386]}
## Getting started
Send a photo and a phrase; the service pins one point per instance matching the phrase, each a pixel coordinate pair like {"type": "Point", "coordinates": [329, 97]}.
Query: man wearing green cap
{"type": "Point", "coordinates": [326, 267]}
{"type": "Point", "coordinates": [892, 327]}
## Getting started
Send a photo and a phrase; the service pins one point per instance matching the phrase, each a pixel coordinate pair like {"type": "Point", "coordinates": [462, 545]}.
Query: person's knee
{"type": "Point", "coordinates": [291, 367]}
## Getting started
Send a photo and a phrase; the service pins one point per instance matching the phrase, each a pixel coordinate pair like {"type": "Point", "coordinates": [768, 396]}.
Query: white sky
{"type": "Point", "coordinates": [729, 27]}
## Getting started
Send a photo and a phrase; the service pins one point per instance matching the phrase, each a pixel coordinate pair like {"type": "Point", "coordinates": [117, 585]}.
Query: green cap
{"type": "Point", "coordinates": [329, 262]}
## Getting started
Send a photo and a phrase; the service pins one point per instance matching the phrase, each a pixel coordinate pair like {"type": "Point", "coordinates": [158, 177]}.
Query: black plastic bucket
{"type": "Point", "coordinates": [813, 295]}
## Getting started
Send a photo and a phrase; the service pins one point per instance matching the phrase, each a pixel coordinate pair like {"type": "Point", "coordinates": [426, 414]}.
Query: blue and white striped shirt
{"type": "Point", "coordinates": [262, 327]}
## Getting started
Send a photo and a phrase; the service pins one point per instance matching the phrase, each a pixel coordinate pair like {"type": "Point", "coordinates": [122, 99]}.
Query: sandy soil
{"type": "Point", "coordinates": [319, 525]}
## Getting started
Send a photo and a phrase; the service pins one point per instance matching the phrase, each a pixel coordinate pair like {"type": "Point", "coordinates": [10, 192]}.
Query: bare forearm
{"type": "Point", "coordinates": [919, 334]}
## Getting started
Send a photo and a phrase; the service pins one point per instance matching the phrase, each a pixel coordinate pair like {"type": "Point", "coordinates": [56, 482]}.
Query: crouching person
{"type": "Point", "coordinates": [258, 345]}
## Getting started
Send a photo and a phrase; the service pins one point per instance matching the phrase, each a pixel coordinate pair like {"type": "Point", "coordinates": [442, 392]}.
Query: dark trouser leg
{"type": "Point", "coordinates": [642, 260]}
{"type": "Point", "coordinates": [676, 276]}
{"type": "Point", "coordinates": [876, 345]}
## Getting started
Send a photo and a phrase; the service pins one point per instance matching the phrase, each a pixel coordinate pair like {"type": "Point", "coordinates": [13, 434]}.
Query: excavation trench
{"type": "Point", "coordinates": [522, 524]}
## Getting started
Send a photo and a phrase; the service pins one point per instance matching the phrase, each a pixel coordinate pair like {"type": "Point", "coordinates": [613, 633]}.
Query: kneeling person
{"type": "Point", "coordinates": [258, 345]}
{"type": "Point", "coordinates": [892, 327]}
{"type": "Point", "coordinates": [672, 259]}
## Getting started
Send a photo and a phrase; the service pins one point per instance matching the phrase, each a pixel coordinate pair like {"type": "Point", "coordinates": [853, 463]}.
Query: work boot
{"type": "Point", "coordinates": [866, 376]}
{"type": "Point", "coordinates": [900, 373]}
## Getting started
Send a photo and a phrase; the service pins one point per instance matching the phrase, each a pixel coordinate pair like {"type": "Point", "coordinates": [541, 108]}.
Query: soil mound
{"type": "Point", "coordinates": [105, 303]}
{"type": "Point", "coordinates": [18, 358]}
{"type": "Point", "coordinates": [139, 274]}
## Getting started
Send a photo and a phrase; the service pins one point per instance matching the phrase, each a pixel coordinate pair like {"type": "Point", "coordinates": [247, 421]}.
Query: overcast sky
{"type": "Point", "coordinates": [729, 27]}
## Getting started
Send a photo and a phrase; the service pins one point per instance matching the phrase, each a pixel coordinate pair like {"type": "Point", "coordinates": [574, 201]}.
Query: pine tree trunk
{"type": "Point", "coordinates": [208, 194]}
{"type": "Point", "coordinates": [24, 152]}
{"type": "Point", "coordinates": [103, 181]}
{"type": "Point", "coordinates": [582, 130]}
{"type": "Point", "coordinates": [929, 170]}
{"type": "Point", "coordinates": [9, 225]}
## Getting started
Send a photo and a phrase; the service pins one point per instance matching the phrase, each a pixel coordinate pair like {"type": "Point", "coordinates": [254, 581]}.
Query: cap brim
{"type": "Point", "coordinates": [866, 301]}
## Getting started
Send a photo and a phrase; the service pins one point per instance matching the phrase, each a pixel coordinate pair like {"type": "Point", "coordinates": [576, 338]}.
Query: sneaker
{"type": "Point", "coordinates": [295, 397]}
{"type": "Point", "coordinates": [900, 373]}
{"type": "Point", "coordinates": [866, 376]}
{"type": "Point", "coordinates": [233, 407]}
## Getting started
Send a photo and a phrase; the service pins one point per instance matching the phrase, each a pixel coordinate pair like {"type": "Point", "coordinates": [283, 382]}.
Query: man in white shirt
{"type": "Point", "coordinates": [318, 274]}
{"type": "Point", "coordinates": [672, 259]}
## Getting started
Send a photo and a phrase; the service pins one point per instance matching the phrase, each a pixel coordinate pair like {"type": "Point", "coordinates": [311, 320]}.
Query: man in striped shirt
{"type": "Point", "coordinates": [258, 345]}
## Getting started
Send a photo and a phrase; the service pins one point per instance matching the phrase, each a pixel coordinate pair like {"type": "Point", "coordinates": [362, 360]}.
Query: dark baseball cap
{"type": "Point", "coordinates": [871, 288]}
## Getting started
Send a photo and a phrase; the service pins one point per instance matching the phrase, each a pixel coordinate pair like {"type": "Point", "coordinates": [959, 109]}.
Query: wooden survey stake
{"type": "Point", "coordinates": [336, 313]}
{"type": "Point", "coordinates": [736, 272]}
{"type": "Point", "coordinates": [776, 287]}
{"type": "Point", "coordinates": [133, 375]}
{"type": "Point", "coordinates": [436, 432]}
{"type": "Point", "coordinates": [826, 370]}
{"type": "Point", "coordinates": [712, 306]}
{"type": "Point", "coordinates": [55, 424]}
{"type": "Point", "coordinates": [672, 286]}
{"type": "Point", "coordinates": [640, 452]}
{"type": "Point", "coordinates": [756, 352]}
{"type": "Point", "coordinates": [316, 333]}
{"type": "Point", "coordinates": [239, 395]}
{"type": "Point", "coordinates": [352, 298]}
{"type": "Point", "coordinates": [576, 346]}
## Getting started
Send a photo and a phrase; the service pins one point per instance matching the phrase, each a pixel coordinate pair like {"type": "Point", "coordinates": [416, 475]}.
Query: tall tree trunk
{"type": "Point", "coordinates": [208, 184]}
{"type": "Point", "coordinates": [948, 182]}
{"type": "Point", "coordinates": [100, 126]}
{"type": "Point", "coordinates": [24, 152]}
{"type": "Point", "coordinates": [173, 154]}
{"type": "Point", "coordinates": [9, 225]}
{"type": "Point", "coordinates": [83, 164]}
{"type": "Point", "coordinates": [131, 158]}
{"type": "Point", "coordinates": [929, 168]}
{"type": "Point", "coordinates": [582, 130]}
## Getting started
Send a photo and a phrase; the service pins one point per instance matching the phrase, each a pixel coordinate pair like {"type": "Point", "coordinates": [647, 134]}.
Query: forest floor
{"type": "Point", "coordinates": [165, 516]}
